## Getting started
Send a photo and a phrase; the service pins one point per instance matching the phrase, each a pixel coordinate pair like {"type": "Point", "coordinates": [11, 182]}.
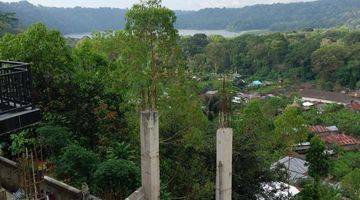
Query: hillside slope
{"type": "Point", "coordinates": [67, 20]}
{"type": "Point", "coordinates": [276, 17]}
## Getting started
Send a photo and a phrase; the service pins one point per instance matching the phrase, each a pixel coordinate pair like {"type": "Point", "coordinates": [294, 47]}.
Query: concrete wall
{"type": "Point", "coordinates": [9, 179]}
{"type": "Point", "coordinates": [137, 195]}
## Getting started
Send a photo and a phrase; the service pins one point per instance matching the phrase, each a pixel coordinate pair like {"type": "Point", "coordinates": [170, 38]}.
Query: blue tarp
{"type": "Point", "coordinates": [256, 83]}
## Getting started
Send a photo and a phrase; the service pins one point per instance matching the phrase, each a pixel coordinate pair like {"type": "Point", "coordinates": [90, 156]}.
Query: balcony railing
{"type": "Point", "coordinates": [15, 87]}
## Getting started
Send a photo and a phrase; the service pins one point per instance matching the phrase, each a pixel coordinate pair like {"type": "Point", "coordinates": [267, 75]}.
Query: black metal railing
{"type": "Point", "coordinates": [15, 87]}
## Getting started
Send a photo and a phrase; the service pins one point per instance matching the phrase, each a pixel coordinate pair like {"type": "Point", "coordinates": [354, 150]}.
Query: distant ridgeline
{"type": "Point", "coordinates": [276, 17]}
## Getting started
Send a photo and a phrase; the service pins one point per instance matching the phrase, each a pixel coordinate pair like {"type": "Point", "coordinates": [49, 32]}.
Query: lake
{"type": "Point", "coordinates": [183, 32]}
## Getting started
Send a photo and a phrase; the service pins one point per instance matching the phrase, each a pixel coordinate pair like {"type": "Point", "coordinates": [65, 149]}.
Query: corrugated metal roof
{"type": "Point", "coordinates": [318, 129]}
{"type": "Point", "coordinates": [295, 166]}
{"type": "Point", "coordinates": [323, 129]}
{"type": "Point", "coordinates": [339, 139]}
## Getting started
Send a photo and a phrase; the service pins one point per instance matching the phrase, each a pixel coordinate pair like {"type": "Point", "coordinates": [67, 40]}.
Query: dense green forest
{"type": "Point", "coordinates": [275, 17]}
{"type": "Point", "coordinates": [330, 58]}
{"type": "Point", "coordinates": [91, 94]}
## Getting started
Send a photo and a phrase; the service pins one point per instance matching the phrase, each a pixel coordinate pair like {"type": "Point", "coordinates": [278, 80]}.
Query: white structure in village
{"type": "Point", "coordinates": [224, 144]}
{"type": "Point", "coordinates": [324, 97]}
{"type": "Point", "coordinates": [276, 190]}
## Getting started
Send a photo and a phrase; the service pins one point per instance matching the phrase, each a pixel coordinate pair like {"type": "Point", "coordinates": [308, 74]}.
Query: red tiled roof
{"type": "Point", "coordinates": [318, 129]}
{"type": "Point", "coordinates": [339, 139]}
{"type": "Point", "coordinates": [355, 106]}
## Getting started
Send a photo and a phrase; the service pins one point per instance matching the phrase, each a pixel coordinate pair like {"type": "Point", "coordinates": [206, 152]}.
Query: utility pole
{"type": "Point", "coordinates": [224, 143]}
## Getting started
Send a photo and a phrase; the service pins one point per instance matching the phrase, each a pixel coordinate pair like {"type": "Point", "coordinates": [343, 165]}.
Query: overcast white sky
{"type": "Point", "coordinates": [173, 4]}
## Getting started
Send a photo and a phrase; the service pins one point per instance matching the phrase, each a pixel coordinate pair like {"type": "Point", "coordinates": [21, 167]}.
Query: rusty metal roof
{"type": "Point", "coordinates": [318, 129]}
{"type": "Point", "coordinates": [339, 139]}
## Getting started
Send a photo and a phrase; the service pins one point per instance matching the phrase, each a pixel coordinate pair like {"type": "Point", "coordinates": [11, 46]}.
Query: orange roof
{"type": "Point", "coordinates": [339, 139]}
{"type": "Point", "coordinates": [318, 129]}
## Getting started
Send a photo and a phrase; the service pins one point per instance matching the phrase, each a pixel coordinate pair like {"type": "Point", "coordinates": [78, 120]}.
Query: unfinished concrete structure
{"type": "Point", "coordinates": [10, 180]}
{"type": "Point", "coordinates": [150, 164]}
{"type": "Point", "coordinates": [224, 143]}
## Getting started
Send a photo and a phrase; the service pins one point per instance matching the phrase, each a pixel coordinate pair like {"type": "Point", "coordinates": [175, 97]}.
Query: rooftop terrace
{"type": "Point", "coordinates": [16, 107]}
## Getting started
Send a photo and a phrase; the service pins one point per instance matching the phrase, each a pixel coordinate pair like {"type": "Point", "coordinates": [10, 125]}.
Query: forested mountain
{"type": "Point", "coordinates": [8, 23]}
{"type": "Point", "coordinates": [67, 20]}
{"type": "Point", "coordinates": [277, 17]}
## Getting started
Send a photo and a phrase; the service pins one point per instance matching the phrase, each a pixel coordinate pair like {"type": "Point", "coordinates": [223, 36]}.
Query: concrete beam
{"type": "Point", "coordinates": [150, 164]}
{"type": "Point", "coordinates": [224, 144]}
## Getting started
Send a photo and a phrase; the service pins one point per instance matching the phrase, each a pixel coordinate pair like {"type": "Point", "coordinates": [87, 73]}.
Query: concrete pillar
{"type": "Point", "coordinates": [150, 169]}
{"type": "Point", "coordinates": [224, 140]}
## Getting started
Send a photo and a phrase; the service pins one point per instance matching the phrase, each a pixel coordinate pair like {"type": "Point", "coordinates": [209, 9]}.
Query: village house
{"type": "Point", "coordinates": [348, 143]}
{"type": "Point", "coordinates": [319, 129]}
{"type": "Point", "coordinates": [294, 166]}
{"type": "Point", "coordinates": [332, 136]}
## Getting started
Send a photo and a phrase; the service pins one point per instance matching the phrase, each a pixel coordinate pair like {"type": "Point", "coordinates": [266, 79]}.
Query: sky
{"type": "Point", "coordinates": [173, 4]}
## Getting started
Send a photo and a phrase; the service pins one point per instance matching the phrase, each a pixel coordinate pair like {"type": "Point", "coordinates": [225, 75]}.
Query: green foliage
{"type": "Point", "coordinates": [120, 150]}
{"type": "Point", "coordinates": [8, 23]}
{"type": "Point", "coordinates": [116, 179]}
{"type": "Point", "coordinates": [347, 120]}
{"type": "Point", "coordinates": [252, 147]}
{"type": "Point", "coordinates": [185, 142]}
{"type": "Point", "coordinates": [320, 192]}
{"type": "Point", "coordinates": [274, 106]}
{"type": "Point", "coordinates": [153, 26]}
{"type": "Point", "coordinates": [194, 45]}
{"type": "Point", "coordinates": [21, 142]}
{"type": "Point", "coordinates": [150, 21]}
{"type": "Point", "coordinates": [345, 164]}
{"type": "Point", "coordinates": [327, 60]}
{"type": "Point", "coordinates": [253, 121]}
{"type": "Point", "coordinates": [351, 184]}
{"type": "Point", "coordinates": [297, 57]}
{"type": "Point", "coordinates": [86, 58]}
{"type": "Point", "coordinates": [344, 118]}
{"type": "Point", "coordinates": [45, 49]}
{"type": "Point", "coordinates": [54, 138]}
{"type": "Point", "coordinates": [291, 127]}
{"type": "Point", "coordinates": [76, 165]}
{"type": "Point", "coordinates": [318, 160]}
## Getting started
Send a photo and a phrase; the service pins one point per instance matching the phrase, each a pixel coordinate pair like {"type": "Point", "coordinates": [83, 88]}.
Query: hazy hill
{"type": "Point", "coordinates": [318, 14]}
{"type": "Point", "coordinates": [68, 20]}
{"type": "Point", "coordinates": [278, 17]}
